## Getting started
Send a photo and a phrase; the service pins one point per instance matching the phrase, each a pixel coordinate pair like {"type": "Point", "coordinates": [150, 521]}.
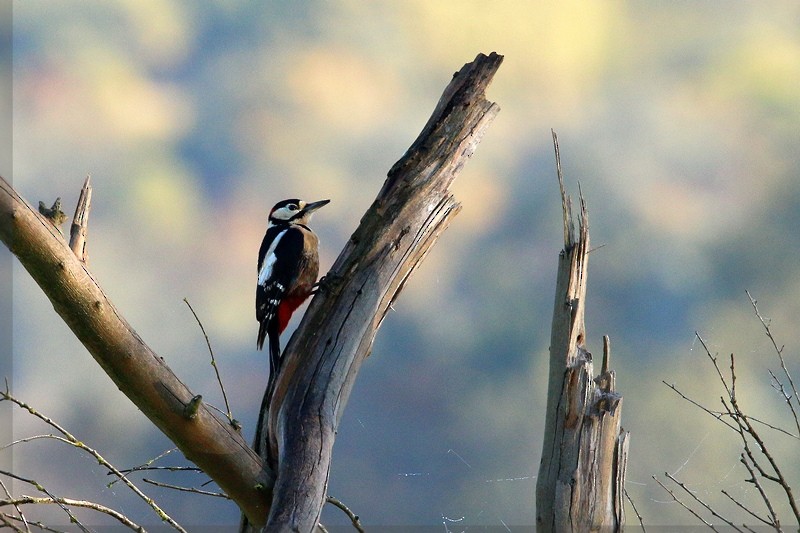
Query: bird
{"type": "Point", "coordinates": [288, 265]}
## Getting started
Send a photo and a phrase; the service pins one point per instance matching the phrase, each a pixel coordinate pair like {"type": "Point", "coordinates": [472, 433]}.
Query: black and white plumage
{"type": "Point", "coordinates": [288, 265]}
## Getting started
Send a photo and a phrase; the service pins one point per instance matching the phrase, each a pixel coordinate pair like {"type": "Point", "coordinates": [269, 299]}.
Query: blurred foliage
{"type": "Point", "coordinates": [680, 120]}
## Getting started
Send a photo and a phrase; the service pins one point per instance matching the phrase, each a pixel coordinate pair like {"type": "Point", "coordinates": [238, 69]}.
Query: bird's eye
{"type": "Point", "coordinates": [292, 207]}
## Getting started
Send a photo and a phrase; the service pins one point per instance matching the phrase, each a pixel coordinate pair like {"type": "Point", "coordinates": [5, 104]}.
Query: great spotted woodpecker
{"type": "Point", "coordinates": [288, 265]}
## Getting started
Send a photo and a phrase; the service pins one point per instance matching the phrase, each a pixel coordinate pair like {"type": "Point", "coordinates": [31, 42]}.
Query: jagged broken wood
{"type": "Point", "coordinates": [324, 355]}
{"type": "Point", "coordinates": [80, 223]}
{"type": "Point", "coordinates": [581, 479]}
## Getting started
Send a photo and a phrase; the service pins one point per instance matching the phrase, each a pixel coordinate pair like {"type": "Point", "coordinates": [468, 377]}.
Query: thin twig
{"type": "Point", "coordinates": [701, 502]}
{"type": "Point", "coordinates": [720, 415]}
{"type": "Point", "coordinates": [70, 439]}
{"type": "Point", "coordinates": [746, 509]}
{"type": "Point", "coordinates": [16, 507]}
{"type": "Point", "coordinates": [213, 361]}
{"type": "Point", "coordinates": [62, 502]}
{"type": "Point", "coordinates": [635, 510]}
{"type": "Point", "coordinates": [350, 514]}
{"type": "Point", "coordinates": [677, 500]}
{"type": "Point", "coordinates": [5, 521]}
{"type": "Point", "coordinates": [746, 427]}
{"type": "Point", "coordinates": [778, 351]}
{"type": "Point", "coordinates": [165, 468]}
{"type": "Point", "coordinates": [38, 486]}
{"type": "Point", "coordinates": [716, 414]}
{"type": "Point", "coordinates": [186, 489]}
{"type": "Point", "coordinates": [754, 480]}
{"type": "Point", "coordinates": [146, 466]}
{"type": "Point", "coordinates": [36, 524]}
{"type": "Point", "coordinates": [778, 386]}
{"type": "Point", "coordinates": [713, 359]}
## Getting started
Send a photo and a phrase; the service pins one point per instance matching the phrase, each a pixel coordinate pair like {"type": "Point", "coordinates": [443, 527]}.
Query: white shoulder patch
{"type": "Point", "coordinates": [269, 260]}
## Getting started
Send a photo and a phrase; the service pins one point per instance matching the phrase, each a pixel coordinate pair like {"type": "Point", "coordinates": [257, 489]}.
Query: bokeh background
{"type": "Point", "coordinates": [680, 120]}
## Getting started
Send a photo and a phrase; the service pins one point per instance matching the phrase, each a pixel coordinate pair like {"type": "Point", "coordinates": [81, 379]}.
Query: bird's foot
{"type": "Point", "coordinates": [326, 283]}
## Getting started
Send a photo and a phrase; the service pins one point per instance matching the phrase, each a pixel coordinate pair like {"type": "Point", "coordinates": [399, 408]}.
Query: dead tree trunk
{"type": "Point", "coordinates": [581, 478]}
{"type": "Point", "coordinates": [324, 355]}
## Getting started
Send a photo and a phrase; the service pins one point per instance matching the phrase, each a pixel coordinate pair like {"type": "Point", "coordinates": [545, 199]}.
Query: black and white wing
{"type": "Point", "coordinates": [277, 270]}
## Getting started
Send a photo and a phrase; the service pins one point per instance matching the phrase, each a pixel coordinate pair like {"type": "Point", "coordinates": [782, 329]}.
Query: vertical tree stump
{"type": "Point", "coordinates": [581, 478]}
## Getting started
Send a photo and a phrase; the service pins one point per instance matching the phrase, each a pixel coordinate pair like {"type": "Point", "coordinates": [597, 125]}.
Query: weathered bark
{"type": "Point", "coordinates": [582, 472]}
{"type": "Point", "coordinates": [205, 439]}
{"type": "Point", "coordinates": [324, 355]}
{"type": "Point", "coordinates": [80, 223]}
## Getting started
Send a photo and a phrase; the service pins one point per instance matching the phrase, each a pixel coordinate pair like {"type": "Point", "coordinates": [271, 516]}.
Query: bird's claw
{"type": "Point", "coordinates": [326, 283]}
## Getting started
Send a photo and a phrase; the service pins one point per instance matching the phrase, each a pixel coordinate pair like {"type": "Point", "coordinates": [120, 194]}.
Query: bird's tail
{"type": "Point", "coordinates": [268, 328]}
{"type": "Point", "coordinates": [273, 332]}
{"type": "Point", "coordinates": [262, 334]}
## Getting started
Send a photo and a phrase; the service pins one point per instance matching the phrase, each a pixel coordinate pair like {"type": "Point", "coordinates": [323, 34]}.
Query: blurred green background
{"type": "Point", "coordinates": [680, 120]}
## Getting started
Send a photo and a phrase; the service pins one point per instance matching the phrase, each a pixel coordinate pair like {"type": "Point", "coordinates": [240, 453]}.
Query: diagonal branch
{"type": "Point", "coordinates": [208, 441]}
{"type": "Point", "coordinates": [322, 359]}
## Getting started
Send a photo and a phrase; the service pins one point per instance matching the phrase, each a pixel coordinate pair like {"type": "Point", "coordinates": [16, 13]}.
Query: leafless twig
{"type": "Point", "coordinates": [8, 519]}
{"type": "Point", "coordinates": [16, 507]}
{"type": "Point", "coordinates": [716, 414]}
{"type": "Point", "coordinates": [746, 509]}
{"type": "Point", "coordinates": [679, 502]}
{"type": "Point", "coordinates": [69, 502]}
{"type": "Point", "coordinates": [58, 501]}
{"type": "Point", "coordinates": [635, 510]}
{"type": "Point", "coordinates": [701, 502]}
{"type": "Point", "coordinates": [146, 466]}
{"type": "Point", "coordinates": [186, 489]}
{"type": "Point", "coordinates": [71, 440]}
{"type": "Point", "coordinates": [213, 362]}
{"type": "Point", "coordinates": [778, 351]}
{"type": "Point", "coordinates": [354, 518]}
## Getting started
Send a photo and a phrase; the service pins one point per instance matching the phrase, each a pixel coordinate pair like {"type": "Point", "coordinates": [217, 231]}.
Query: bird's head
{"type": "Point", "coordinates": [294, 211]}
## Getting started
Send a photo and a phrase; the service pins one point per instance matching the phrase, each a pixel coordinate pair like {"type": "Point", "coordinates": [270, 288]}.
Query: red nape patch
{"type": "Point", "coordinates": [285, 310]}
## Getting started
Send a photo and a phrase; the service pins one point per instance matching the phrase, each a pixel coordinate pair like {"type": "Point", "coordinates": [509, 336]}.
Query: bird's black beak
{"type": "Point", "coordinates": [313, 206]}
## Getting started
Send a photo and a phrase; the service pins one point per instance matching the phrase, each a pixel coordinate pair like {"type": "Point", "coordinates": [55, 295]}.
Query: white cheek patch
{"type": "Point", "coordinates": [284, 213]}
{"type": "Point", "coordinates": [269, 260]}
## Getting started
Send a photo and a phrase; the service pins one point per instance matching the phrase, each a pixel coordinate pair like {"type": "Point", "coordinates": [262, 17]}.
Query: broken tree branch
{"type": "Point", "coordinates": [323, 357]}
{"type": "Point", "coordinates": [80, 223]}
{"type": "Point", "coordinates": [584, 456]}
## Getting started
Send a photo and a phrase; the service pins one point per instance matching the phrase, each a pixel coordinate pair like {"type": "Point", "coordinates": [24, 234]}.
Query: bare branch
{"type": "Point", "coordinates": [71, 440]}
{"type": "Point", "coordinates": [754, 480]}
{"type": "Point", "coordinates": [701, 502]}
{"type": "Point", "coordinates": [16, 507]}
{"type": "Point", "coordinates": [713, 359]}
{"type": "Point", "coordinates": [746, 509]}
{"type": "Point", "coordinates": [38, 486]}
{"type": "Point", "coordinates": [321, 361]}
{"type": "Point", "coordinates": [779, 352]}
{"type": "Point", "coordinates": [141, 374]}
{"type": "Point", "coordinates": [37, 524]}
{"type": "Point", "coordinates": [680, 502]}
{"type": "Point", "coordinates": [716, 414]}
{"type": "Point", "coordinates": [354, 518]}
{"type": "Point", "coordinates": [146, 466]}
{"type": "Point", "coordinates": [635, 510]}
{"type": "Point", "coordinates": [186, 489]}
{"type": "Point", "coordinates": [69, 502]}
